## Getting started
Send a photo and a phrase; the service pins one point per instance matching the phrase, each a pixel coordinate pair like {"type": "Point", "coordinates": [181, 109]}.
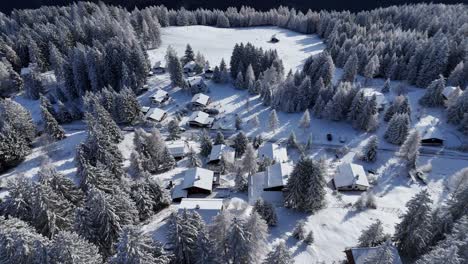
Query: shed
{"type": "Point", "coordinates": [160, 97]}
{"type": "Point", "coordinates": [158, 68]}
{"type": "Point", "coordinates": [208, 74]}
{"type": "Point", "coordinates": [197, 85]}
{"type": "Point", "coordinates": [200, 119]}
{"type": "Point", "coordinates": [156, 114]}
{"type": "Point", "coordinates": [178, 148]}
{"type": "Point", "coordinates": [381, 100]}
{"type": "Point", "coordinates": [198, 180]}
{"type": "Point", "coordinates": [274, 39]}
{"type": "Point", "coordinates": [359, 255]}
{"type": "Point", "coordinates": [189, 68]}
{"type": "Point", "coordinates": [201, 100]}
{"type": "Point", "coordinates": [207, 208]}
{"type": "Point", "coordinates": [217, 151]}
{"type": "Point", "coordinates": [351, 177]}
{"type": "Point", "coordinates": [273, 152]}
{"type": "Point", "coordinates": [431, 136]}
{"type": "Point", "coordinates": [145, 109]}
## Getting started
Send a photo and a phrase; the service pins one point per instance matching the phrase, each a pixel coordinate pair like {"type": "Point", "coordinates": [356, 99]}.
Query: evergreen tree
{"type": "Point", "coordinates": [350, 68]}
{"type": "Point", "coordinates": [222, 21]}
{"type": "Point", "coordinates": [456, 111]}
{"type": "Point", "coordinates": [250, 80]}
{"type": "Point", "coordinates": [174, 68]}
{"type": "Point", "coordinates": [68, 247]}
{"type": "Point", "coordinates": [372, 236]}
{"type": "Point", "coordinates": [292, 141]}
{"type": "Point", "coordinates": [193, 159]}
{"type": "Point", "coordinates": [412, 237]}
{"type": "Point", "coordinates": [267, 211]}
{"type": "Point", "coordinates": [433, 96]}
{"type": "Point", "coordinates": [306, 181]}
{"type": "Point", "coordinates": [51, 126]}
{"type": "Point", "coordinates": [386, 87]}
{"type": "Point", "coordinates": [299, 231]}
{"type": "Point", "coordinates": [240, 144]}
{"type": "Point", "coordinates": [149, 197]}
{"type": "Point", "coordinates": [441, 255]}
{"type": "Point", "coordinates": [13, 148]}
{"type": "Point", "coordinates": [238, 123]}
{"type": "Point", "coordinates": [189, 55]}
{"type": "Point", "coordinates": [249, 160]}
{"type": "Point", "coordinates": [273, 120]}
{"type": "Point", "coordinates": [372, 67]}
{"type": "Point", "coordinates": [240, 83]}
{"type": "Point", "coordinates": [205, 144]}
{"type": "Point", "coordinates": [305, 120]}
{"type": "Point", "coordinates": [397, 129]}
{"type": "Point", "coordinates": [217, 75]}
{"type": "Point", "coordinates": [238, 243]}
{"type": "Point", "coordinates": [279, 255]}
{"type": "Point", "coordinates": [18, 118]}
{"type": "Point", "coordinates": [206, 251]}
{"type": "Point", "coordinates": [219, 234]}
{"type": "Point", "coordinates": [256, 231]}
{"type": "Point", "coordinates": [219, 139]}
{"type": "Point", "coordinates": [370, 150]}
{"type": "Point", "coordinates": [173, 129]}
{"type": "Point", "coordinates": [183, 234]}
{"type": "Point", "coordinates": [240, 181]}
{"type": "Point", "coordinates": [409, 151]}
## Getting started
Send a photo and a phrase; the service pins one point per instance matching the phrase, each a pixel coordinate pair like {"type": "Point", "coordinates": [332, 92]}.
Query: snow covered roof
{"type": "Point", "coordinates": [429, 132]}
{"type": "Point", "coordinates": [178, 192]}
{"type": "Point", "coordinates": [277, 175]}
{"type": "Point", "coordinates": [255, 189]}
{"type": "Point", "coordinates": [198, 177]}
{"type": "Point", "coordinates": [145, 109]}
{"type": "Point", "coordinates": [201, 118]}
{"type": "Point", "coordinates": [274, 152]}
{"type": "Point", "coordinates": [381, 99]}
{"type": "Point", "coordinates": [196, 80]}
{"type": "Point", "coordinates": [207, 208]}
{"type": "Point", "coordinates": [360, 254]}
{"type": "Point", "coordinates": [218, 150]}
{"type": "Point", "coordinates": [159, 96]}
{"type": "Point", "coordinates": [157, 64]}
{"type": "Point", "coordinates": [156, 114]}
{"type": "Point", "coordinates": [349, 174]}
{"type": "Point", "coordinates": [201, 99]}
{"type": "Point", "coordinates": [449, 90]}
{"type": "Point", "coordinates": [25, 71]}
{"type": "Point", "coordinates": [177, 148]}
{"type": "Point", "coordinates": [190, 65]}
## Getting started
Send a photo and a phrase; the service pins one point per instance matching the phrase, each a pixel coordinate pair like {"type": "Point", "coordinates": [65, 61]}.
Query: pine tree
{"type": "Point", "coordinates": [219, 233]}
{"type": "Point", "coordinates": [256, 231]}
{"type": "Point", "coordinates": [238, 244]}
{"type": "Point", "coordinates": [273, 120]}
{"type": "Point", "coordinates": [205, 144]}
{"type": "Point", "coordinates": [184, 230]}
{"type": "Point", "coordinates": [249, 160]}
{"type": "Point", "coordinates": [292, 141]}
{"type": "Point", "coordinates": [193, 159]}
{"type": "Point", "coordinates": [412, 237]}
{"type": "Point", "coordinates": [51, 126]}
{"type": "Point", "coordinates": [173, 129]}
{"type": "Point", "coordinates": [250, 80]}
{"type": "Point", "coordinates": [433, 96]}
{"type": "Point", "coordinates": [174, 68]}
{"type": "Point", "coordinates": [350, 68]}
{"type": "Point", "coordinates": [386, 87]}
{"type": "Point", "coordinates": [299, 231]}
{"type": "Point", "coordinates": [372, 67]}
{"type": "Point", "coordinates": [240, 143]}
{"type": "Point", "coordinates": [68, 247]}
{"type": "Point", "coordinates": [18, 118]}
{"type": "Point", "coordinates": [447, 255]}
{"type": "Point", "coordinates": [305, 120]}
{"type": "Point", "coordinates": [206, 251]}
{"type": "Point", "coordinates": [189, 55]}
{"type": "Point", "coordinates": [267, 211]}
{"type": "Point", "coordinates": [13, 148]}
{"type": "Point", "coordinates": [240, 181]}
{"type": "Point", "coordinates": [370, 150]}
{"type": "Point", "coordinates": [409, 151]}
{"type": "Point", "coordinates": [306, 180]}
{"type": "Point", "coordinates": [255, 121]}
{"type": "Point", "coordinates": [222, 21]}
{"type": "Point", "coordinates": [240, 83]}
{"type": "Point", "coordinates": [219, 139]}
{"type": "Point", "coordinates": [279, 255]}
{"type": "Point", "coordinates": [397, 129]}
{"type": "Point", "coordinates": [217, 75]}
{"type": "Point", "coordinates": [372, 236]}
{"type": "Point", "coordinates": [149, 197]}
{"type": "Point", "coordinates": [238, 123]}
{"type": "Point", "coordinates": [134, 247]}
{"type": "Point", "coordinates": [455, 112]}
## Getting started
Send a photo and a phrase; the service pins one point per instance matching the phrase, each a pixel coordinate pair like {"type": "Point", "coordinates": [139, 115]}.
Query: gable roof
{"type": "Point", "coordinates": [190, 65]}
{"type": "Point", "coordinates": [360, 254]}
{"type": "Point", "coordinates": [178, 192]}
{"type": "Point", "coordinates": [156, 114]}
{"type": "Point", "coordinates": [177, 148]}
{"type": "Point", "coordinates": [201, 99]}
{"type": "Point", "coordinates": [449, 90]}
{"type": "Point", "coordinates": [218, 150]}
{"type": "Point", "coordinates": [380, 97]}
{"type": "Point", "coordinates": [350, 174]}
{"type": "Point", "coordinates": [199, 178]}
{"type": "Point", "coordinates": [429, 132]}
{"type": "Point", "coordinates": [159, 95]}
{"type": "Point", "coordinates": [207, 208]}
{"type": "Point", "coordinates": [277, 175]}
{"type": "Point", "coordinates": [274, 152]}
{"type": "Point", "coordinates": [201, 118]}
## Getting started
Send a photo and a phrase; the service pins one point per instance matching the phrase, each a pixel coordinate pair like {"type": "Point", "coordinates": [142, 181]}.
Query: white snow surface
{"type": "Point", "coordinates": [335, 227]}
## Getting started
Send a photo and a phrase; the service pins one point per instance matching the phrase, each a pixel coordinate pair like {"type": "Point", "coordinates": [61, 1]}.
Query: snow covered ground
{"type": "Point", "coordinates": [335, 227]}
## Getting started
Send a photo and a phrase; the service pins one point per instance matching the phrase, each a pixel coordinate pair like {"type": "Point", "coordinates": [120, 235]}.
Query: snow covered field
{"type": "Point", "coordinates": [217, 43]}
{"type": "Point", "coordinates": [335, 227]}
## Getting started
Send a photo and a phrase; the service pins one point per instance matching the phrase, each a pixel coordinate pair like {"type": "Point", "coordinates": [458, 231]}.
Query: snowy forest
{"type": "Point", "coordinates": [100, 60]}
